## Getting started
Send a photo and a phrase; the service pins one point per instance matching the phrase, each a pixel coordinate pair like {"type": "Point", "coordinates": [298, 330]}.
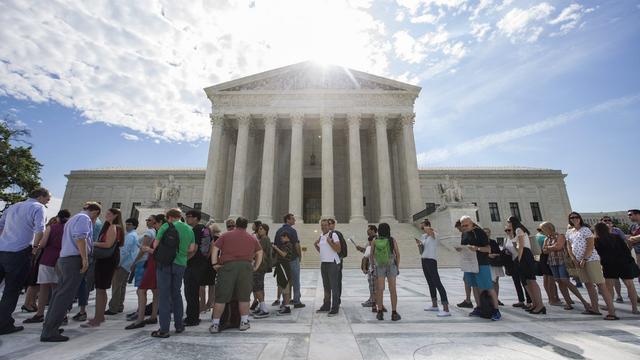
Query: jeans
{"type": "Point", "coordinates": [14, 269]}
{"type": "Point", "coordinates": [192, 279]}
{"type": "Point", "coordinates": [69, 278]}
{"type": "Point", "coordinates": [430, 270]}
{"type": "Point", "coordinates": [169, 280]}
{"type": "Point", "coordinates": [295, 279]}
{"type": "Point", "coordinates": [330, 273]}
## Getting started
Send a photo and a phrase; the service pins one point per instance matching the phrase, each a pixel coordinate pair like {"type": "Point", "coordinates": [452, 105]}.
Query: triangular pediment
{"type": "Point", "coordinates": [311, 76]}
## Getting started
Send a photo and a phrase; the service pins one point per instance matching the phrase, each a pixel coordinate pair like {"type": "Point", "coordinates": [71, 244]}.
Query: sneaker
{"type": "Point", "coordinates": [496, 315]}
{"type": "Point", "coordinates": [254, 305]}
{"type": "Point", "coordinates": [323, 309]}
{"type": "Point", "coordinates": [465, 304]}
{"type": "Point", "coordinates": [214, 328]}
{"type": "Point", "coordinates": [380, 315]}
{"type": "Point", "coordinates": [395, 316]}
{"type": "Point", "coordinates": [332, 313]}
{"type": "Point", "coordinates": [260, 315]}
{"type": "Point", "coordinates": [109, 312]}
{"type": "Point", "coordinates": [244, 325]}
{"type": "Point", "coordinates": [619, 299]}
{"type": "Point", "coordinates": [431, 308]}
{"type": "Point", "coordinates": [443, 313]}
{"type": "Point", "coordinates": [275, 303]}
{"type": "Point", "coordinates": [80, 317]}
{"type": "Point", "coordinates": [298, 305]}
{"type": "Point", "coordinates": [368, 303]}
{"type": "Point", "coordinates": [475, 312]}
{"type": "Point", "coordinates": [284, 311]}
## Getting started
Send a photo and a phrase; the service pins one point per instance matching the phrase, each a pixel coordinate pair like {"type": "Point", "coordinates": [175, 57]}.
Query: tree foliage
{"type": "Point", "coordinates": [19, 169]}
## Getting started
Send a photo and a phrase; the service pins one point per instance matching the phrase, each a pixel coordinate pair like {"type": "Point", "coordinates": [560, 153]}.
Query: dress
{"type": "Point", "coordinates": [104, 268]}
{"type": "Point", "coordinates": [149, 281]}
{"type": "Point", "coordinates": [616, 258]}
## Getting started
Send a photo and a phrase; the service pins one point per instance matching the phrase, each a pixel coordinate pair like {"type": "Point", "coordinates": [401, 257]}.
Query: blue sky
{"type": "Point", "coordinates": [551, 84]}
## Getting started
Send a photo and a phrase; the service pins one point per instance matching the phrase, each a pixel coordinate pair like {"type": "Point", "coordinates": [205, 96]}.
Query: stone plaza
{"type": "Point", "coordinates": [355, 333]}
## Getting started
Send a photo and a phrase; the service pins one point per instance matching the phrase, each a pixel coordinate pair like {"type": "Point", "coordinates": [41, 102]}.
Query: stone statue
{"type": "Point", "coordinates": [166, 193]}
{"type": "Point", "coordinates": [450, 191]}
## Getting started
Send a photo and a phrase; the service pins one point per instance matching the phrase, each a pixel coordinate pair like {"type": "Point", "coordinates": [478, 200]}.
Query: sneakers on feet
{"type": "Point", "coordinates": [244, 325]}
{"type": "Point", "coordinates": [368, 303]}
{"type": "Point", "coordinates": [284, 311]}
{"type": "Point", "coordinates": [275, 303]}
{"type": "Point", "coordinates": [214, 328]}
{"type": "Point", "coordinates": [465, 304]}
{"type": "Point", "coordinates": [395, 316]}
{"type": "Point", "coordinates": [260, 315]}
{"type": "Point", "coordinates": [380, 315]}
{"type": "Point", "coordinates": [431, 308]}
{"type": "Point", "coordinates": [298, 305]}
{"type": "Point", "coordinates": [496, 315]}
{"type": "Point", "coordinates": [443, 313]}
{"type": "Point", "coordinates": [80, 317]}
{"type": "Point", "coordinates": [475, 312]}
{"type": "Point", "coordinates": [619, 299]}
{"type": "Point", "coordinates": [323, 309]}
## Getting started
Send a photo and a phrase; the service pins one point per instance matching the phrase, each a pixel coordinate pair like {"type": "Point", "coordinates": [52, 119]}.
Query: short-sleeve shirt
{"type": "Point", "coordinates": [151, 234]}
{"type": "Point", "coordinates": [477, 237]}
{"type": "Point", "coordinates": [578, 240]}
{"type": "Point", "coordinates": [186, 238]}
{"type": "Point", "coordinates": [525, 236]}
{"type": "Point", "coordinates": [19, 223]}
{"type": "Point", "coordinates": [293, 237]}
{"type": "Point", "coordinates": [237, 245]}
{"type": "Point", "coordinates": [327, 254]}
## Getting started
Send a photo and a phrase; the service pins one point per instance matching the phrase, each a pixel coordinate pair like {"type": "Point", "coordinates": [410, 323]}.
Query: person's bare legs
{"type": "Point", "coordinates": [494, 298]}
{"type": "Point", "coordinates": [244, 308]}
{"type": "Point", "coordinates": [536, 295]}
{"type": "Point", "coordinates": [618, 288]}
{"type": "Point", "coordinates": [496, 286]}
{"type": "Point", "coordinates": [379, 292]}
{"type": "Point", "coordinates": [593, 296]}
{"type": "Point", "coordinates": [633, 295]}
{"type": "Point", "coordinates": [43, 297]}
{"type": "Point", "coordinates": [101, 303]}
{"type": "Point", "coordinates": [467, 292]}
{"type": "Point", "coordinates": [30, 297]}
{"type": "Point", "coordinates": [551, 290]}
{"type": "Point", "coordinates": [142, 304]}
{"type": "Point", "coordinates": [476, 295]}
{"type": "Point", "coordinates": [608, 299]}
{"type": "Point", "coordinates": [211, 297]}
{"type": "Point", "coordinates": [393, 293]}
{"type": "Point", "coordinates": [571, 287]}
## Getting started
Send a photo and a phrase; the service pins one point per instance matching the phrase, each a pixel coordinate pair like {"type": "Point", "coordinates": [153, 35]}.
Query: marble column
{"type": "Point", "coordinates": [268, 161]}
{"type": "Point", "coordinates": [384, 170]}
{"type": "Point", "coordinates": [212, 176]}
{"type": "Point", "coordinates": [295, 167]}
{"type": "Point", "coordinates": [240, 168]}
{"type": "Point", "coordinates": [223, 182]}
{"type": "Point", "coordinates": [411, 165]}
{"type": "Point", "coordinates": [328, 191]}
{"type": "Point", "coordinates": [355, 170]}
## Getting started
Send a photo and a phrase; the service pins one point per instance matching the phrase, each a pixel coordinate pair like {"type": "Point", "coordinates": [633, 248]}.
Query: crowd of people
{"type": "Point", "coordinates": [61, 261]}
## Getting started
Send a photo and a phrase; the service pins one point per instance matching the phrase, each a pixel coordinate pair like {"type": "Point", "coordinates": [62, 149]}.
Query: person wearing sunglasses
{"type": "Point", "coordinates": [584, 255]}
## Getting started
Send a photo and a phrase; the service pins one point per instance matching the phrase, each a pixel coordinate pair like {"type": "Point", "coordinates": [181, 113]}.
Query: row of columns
{"type": "Point", "coordinates": [213, 179]}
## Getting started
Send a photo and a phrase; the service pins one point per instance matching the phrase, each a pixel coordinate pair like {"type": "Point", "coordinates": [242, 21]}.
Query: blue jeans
{"type": "Point", "coordinates": [169, 295]}
{"type": "Point", "coordinates": [295, 279]}
{"type": "Point", "coordinates": [14, 269]}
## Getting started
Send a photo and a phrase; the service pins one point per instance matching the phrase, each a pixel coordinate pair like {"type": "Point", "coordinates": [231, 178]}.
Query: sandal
{"type": "Point", "coordinates": [591, 312]}
{"type": "Point", "coordinates": [160, 334]}
{"type": "Point", "coordinates": [611, 317]}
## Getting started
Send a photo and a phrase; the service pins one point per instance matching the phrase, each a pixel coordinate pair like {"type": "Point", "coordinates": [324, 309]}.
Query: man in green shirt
{"type": "Point", "coordinates": [170, 276]}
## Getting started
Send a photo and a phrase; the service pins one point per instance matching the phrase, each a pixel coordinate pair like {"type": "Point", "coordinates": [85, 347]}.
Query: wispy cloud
{"type": "Point", "coordinates": [483, 142]}
{"type": "Point", "coordinates": [130, 137]}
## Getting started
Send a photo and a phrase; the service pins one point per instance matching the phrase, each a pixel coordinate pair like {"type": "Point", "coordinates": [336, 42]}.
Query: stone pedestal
{"type": "Point", "coordinates": [444, 219]}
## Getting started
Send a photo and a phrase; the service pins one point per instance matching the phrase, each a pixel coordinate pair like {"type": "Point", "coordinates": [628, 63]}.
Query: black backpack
{"type": "Point", "coordinates": [486, 305]}
{"type": "Point", "coordinates": [167, 249]}
{"type": "Point", "coordinates": [343, 244]}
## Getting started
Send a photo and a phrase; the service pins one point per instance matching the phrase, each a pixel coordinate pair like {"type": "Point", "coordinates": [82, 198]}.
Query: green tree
{"type": "Point", "coordinates": [19, 169]}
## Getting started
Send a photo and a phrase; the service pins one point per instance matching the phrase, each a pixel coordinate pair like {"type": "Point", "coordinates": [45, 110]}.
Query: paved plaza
{"type": "Point", "coordinates": [355, 333]}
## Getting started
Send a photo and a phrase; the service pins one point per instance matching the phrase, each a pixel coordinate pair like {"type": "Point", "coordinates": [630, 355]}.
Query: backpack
{"type": "Point", "coordinates": [343, 244]}
{"type": "Point", "coordinates": [382, 251]}
{"type": "Point", "coordinates": [167, 249]}
{"type": "Point", "coordinates": [204, 241]}
{"type": "Point", "coordinates": [486, 305]}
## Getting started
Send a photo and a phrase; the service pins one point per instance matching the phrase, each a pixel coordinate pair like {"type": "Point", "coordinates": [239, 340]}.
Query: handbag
{"type": "Point", "coordinates": [104, 253]}
{"type": "Point", "coordinates": [572, 270]}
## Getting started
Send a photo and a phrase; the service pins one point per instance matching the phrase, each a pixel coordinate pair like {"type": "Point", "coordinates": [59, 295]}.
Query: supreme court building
{"type": "Point", "coordinates": [322, 142]}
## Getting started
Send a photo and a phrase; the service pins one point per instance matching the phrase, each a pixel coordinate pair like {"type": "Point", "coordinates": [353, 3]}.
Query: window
{"type": "Point", "coordinates": [535, 210]}
{"type": "Point", "coordinates": [495, 213]}
{"type": "Point", "coordinates": [515, 210]}
{"type": "Point", "coordinates": [197, 206]}
{"type": "Point", "coordinates": [134, 210]}
{"type": "Point", "coordinates": [116, 205]}
{"type": "Point", "coordinates": [477, 212]}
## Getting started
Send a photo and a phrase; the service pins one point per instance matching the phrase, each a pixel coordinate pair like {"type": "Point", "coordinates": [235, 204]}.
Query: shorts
{"type": "Point", "coordinates": [234, 282]}
{"type": "Point", "coordinates": [47, 275]}
{"type": "Point", "coordinates": [559, 271]}
{"type": "Point", "coordinates": [389, 271]}
{"type": "Point", "coordinates": [591, 272]}
{"type": "Point", "coordinates": [138, 273]}
{"type": "Point", "coordinates": [258, 281]}
{"type": "Point", "coordinates": [480, 280]}
{"type": "Point", "coordinates": [496, 272]}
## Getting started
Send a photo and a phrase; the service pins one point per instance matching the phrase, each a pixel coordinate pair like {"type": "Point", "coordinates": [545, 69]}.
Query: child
{"type": "Point", "coordinates": [282, 272]}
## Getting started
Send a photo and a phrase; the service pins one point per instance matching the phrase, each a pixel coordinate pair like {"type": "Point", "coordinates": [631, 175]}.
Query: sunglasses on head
{"type": "Point", "coordinates": [574, 217]}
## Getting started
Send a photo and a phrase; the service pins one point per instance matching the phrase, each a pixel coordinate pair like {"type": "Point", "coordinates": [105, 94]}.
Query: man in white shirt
{"type": "Point", "coordinates": [329, 247]}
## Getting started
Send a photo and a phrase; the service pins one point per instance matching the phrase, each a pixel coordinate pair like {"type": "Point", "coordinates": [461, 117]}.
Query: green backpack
{"type": "Point", "coordinates": [382, 251]}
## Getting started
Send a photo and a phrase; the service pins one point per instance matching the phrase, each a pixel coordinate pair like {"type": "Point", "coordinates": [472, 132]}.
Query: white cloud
{"type": "Point", "coordinates": [130, 137]}
{"type": "Point", "coordinates": [483, 142]}
{"type": "Point", "coordinates": [525, 25]}
{"type": "Point", "coordinates": [569, 18]}
{"type": "Point", "coordinates": [142, 65]}
{"type": "Point", "coordinates": [479, 31]}
{"type": "Point", "coordinates": [483, 5]}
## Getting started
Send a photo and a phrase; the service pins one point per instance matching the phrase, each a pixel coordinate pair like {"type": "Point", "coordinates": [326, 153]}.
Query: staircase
{"type": "Point", "coordinates": [403, 233]}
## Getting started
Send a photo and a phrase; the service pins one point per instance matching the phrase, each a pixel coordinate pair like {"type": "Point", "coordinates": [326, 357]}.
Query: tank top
{"type": "Point", "coordinates": [51, 251]}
